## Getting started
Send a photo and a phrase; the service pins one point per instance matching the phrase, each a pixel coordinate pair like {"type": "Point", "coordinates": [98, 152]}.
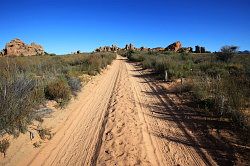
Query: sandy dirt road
{"type": "Point", "coordinates": [119, 121]}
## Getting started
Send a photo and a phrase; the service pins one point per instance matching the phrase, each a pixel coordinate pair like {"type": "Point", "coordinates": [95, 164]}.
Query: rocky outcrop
{"type": "Point", "coordinates": [77, 52]}
{"type": "Point", "coordinates": [113, 48]}
{"type": "Point", "coordinates": [199, 49]}
{"type": "Point", "coordinates": [1, 53]}
{"type": "Point", "coordinates": [17, 47]}
{"type": "Point", "coordinates": [174, 46]}
{"type": "Point", "coordinates": [130, 47]}
{"type": "Point", "coordinates": [103, 49]}
{"type": "Point", "coordinates": [157, 49]}
{"type": "Point", "coordinates": [185, 50]}
{"type": "Point", "coordinates": [144, 49]}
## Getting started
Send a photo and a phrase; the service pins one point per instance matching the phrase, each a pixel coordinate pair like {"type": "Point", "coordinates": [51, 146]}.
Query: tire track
{"type": "Point", "coordinates": [123, 141]}
{"type": "Point", "coordinates": [75, 143]}
{"type": "Point", "coordinates": [155, 104]}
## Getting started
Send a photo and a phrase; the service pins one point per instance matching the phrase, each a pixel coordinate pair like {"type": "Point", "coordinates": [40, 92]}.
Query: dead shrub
{"type": "Point", "coordinates": [4, 145]}
{"type": "Point", "coordinates": [45, 133]}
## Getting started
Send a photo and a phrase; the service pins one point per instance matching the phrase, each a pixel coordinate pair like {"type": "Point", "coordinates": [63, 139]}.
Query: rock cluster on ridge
{"type": "Point", "coordinates": [174, 47]}
{"type": "Point", "coordinates": [16, 47]}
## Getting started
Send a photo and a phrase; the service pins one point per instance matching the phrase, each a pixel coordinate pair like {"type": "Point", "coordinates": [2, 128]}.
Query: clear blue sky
{"type": "Point", "coordinates": [65, 26]}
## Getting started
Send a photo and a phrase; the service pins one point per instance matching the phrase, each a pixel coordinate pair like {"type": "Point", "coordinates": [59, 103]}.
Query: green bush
{"type": "Point", "coordinates": [58, 90]}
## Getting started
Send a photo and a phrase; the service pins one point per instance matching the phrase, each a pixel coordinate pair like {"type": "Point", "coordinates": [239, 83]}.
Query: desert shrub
{"type": "Point", "coordinates": [224, 94]}
{"type": "Point", "coordinates": [212, 69]}
{"type": "Point", "coordinates": [27, 81]}
{"type": "Point", "coordinates": [96, 62]}
{"type": "Point", "coordinates": [149, 62]}
{"type": "Point", "coordinates": [226, 53]}
{"type": "Point", "coordinates": [177, 65]}
{"type": "Point", "coordinates": [75, 84]}
{"type": "Point", "coordinates": [4, 145]}
{"type": "Point", "coordinates": [19, 95]}
{"type": "Point", "coordinates": [45, 133]}
{"type": "Point", "coordinates": [36, 144]}
{"type": "Point", "coordinates": [221, 87]}
{"type": "Point", "coordinates": [58, 90]}
{"type": "Point", "coordinates": [225, 57]}
{"type": "Point", "coordinates": [135, 56]}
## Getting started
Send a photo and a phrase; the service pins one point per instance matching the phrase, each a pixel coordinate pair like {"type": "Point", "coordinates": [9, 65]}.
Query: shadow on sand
{"type": "Point", "coordinates": [189, 119]}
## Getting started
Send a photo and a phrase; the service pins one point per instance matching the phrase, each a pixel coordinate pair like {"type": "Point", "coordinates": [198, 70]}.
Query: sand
{"type": "Point", "coordinates": [119, 118]}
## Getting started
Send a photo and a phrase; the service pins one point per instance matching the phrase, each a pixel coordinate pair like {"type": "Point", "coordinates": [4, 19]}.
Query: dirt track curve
{"type": "Point", "coordinates": [118, 121]}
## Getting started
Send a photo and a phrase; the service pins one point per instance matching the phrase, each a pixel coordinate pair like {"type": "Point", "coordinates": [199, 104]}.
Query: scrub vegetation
{"type": "Point", "coordinates": [28, 82]}
{"type": "Point", "coordinates": [219, 82]}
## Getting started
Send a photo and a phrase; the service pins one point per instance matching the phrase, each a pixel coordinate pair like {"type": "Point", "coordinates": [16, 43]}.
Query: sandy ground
{"type": "Point", "coordinates": [120, 118]}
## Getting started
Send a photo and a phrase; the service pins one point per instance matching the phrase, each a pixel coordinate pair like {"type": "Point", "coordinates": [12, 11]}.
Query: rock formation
{"type": "Point", "coordinates": [103, 49]}
{"type": "Point", "coordinates": [1, 53]}
{"type": "Point", "coordinates": [199, 49]}
{"type": "Point", "coordinates": [157, 49]}
{"type": "Point", "coordinates": [185, 50]}
{"type": "Point", "coordinates": [17, 47]}
{"type": "Point", "coordinates": [144, 49]}
{"type": "Point", "coordinates": [130, 47]}
{"type": "Point", "coordinates": [174, 46]}
{"type": "Point", "coordinates": [113, 48]}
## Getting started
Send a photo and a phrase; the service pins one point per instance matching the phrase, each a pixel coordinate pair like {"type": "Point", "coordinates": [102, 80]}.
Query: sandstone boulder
{"type": "Point", "coordinates": [17, 47]}
{"type": "Point", "coordinates": [174, 46]}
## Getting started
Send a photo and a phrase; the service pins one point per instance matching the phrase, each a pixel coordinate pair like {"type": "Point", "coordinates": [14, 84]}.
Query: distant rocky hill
{"type": "Point", "coordinates": [16, 47]}
{"type": "Point", "coordinates": [174, 47]}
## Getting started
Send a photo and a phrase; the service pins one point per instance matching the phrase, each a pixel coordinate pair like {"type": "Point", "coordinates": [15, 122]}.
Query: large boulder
{"type": "Point", "coordinates": [174, 46]}
{"type": "Point", "coordinates": [17, 47]}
